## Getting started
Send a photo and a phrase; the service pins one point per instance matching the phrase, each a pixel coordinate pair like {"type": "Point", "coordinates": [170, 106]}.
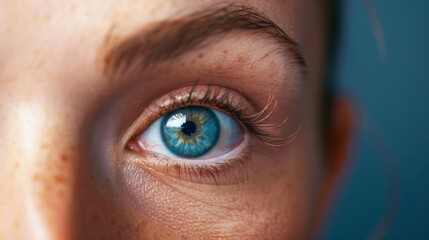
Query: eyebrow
{"type": "Point", "coordinates": [170, 39]}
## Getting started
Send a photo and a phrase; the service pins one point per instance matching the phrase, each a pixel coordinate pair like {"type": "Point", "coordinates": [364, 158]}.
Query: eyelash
{"type": "Point", "coordinates": [223, 103]}
{"type": "Point", "coordinates": [205, 173]}
{"type": "Point", "coordinates": [221, 98]}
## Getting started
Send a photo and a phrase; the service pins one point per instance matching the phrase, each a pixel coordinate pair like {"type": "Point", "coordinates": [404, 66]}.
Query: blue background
{"type": "Point", "coordinates": [389, 164]}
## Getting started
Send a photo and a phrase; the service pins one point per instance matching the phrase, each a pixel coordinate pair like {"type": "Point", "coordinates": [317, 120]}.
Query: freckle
{"type": "Point", "coordinates": [193, 61]}
{"type": "Point", "coordinates": [43, 145]}
{"type": "Point", "coordinates": [16, 224]}
{"type": "Point", "coordinates": [47, 17]}
{"type": "Point", "coordinates": [176, 166]}
{"type": "Point", "coordinates": [225, 51]}
{"type": "Point", "coordinates": [241, 59]}
{"type": "Point", "coordinates": [63, 157]}
{"type": "Point", "coordinates": [201, 55]}
{"type": "Point", "coordinates": [59, 179]}
{"type": "Point", "coordinates": [37, 177]}
{"type": "Point", "coordinates": [17, 165]}
{"type": "Point", "coordinates": [182, 64]}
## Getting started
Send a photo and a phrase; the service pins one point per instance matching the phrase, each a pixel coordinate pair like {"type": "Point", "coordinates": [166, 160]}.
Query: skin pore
{"type": "Point", "coordinates": [81, 81]}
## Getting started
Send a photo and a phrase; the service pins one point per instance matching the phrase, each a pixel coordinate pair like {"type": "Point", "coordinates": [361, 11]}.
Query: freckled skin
{"type": "Point", "coordinates": [57, 182]}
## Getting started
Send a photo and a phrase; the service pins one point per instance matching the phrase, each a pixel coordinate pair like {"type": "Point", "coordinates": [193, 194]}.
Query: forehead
{"type": "Point", "coordinates": [48, 33]}
{"type": "Point", "coordinates": [126, 10]}
{"type": "Point", "coordinates": [48, 17]}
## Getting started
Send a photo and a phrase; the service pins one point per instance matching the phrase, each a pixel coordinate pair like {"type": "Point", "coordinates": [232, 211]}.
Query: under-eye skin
{"type": "Point", "coordinates": [199, 133]}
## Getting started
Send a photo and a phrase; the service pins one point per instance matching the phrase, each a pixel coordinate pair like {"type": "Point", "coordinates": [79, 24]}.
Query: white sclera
{"type": "Point", "coordinates": [230, 137]}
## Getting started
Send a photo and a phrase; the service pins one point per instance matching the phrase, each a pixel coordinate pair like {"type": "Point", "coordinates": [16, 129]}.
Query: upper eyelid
{"type": "Point", "coordinates": [170, 39]}
{"type": "Point", "coordinates": [184, 93]}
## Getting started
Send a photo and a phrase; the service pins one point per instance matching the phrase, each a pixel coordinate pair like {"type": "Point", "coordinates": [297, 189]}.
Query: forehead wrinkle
{"type": "Point", "coordinates": [169, 39]}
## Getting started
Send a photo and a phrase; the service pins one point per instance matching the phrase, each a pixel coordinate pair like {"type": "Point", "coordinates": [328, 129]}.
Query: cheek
{"type": "Point", "coordinates": [275, 202]}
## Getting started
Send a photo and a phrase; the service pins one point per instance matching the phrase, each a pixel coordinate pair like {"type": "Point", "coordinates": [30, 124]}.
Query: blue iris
{"type": "Point", "coordinates": [190, 132]}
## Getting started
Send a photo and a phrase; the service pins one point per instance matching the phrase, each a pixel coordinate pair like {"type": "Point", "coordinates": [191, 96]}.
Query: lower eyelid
{"type": "Point", "coordinates": [230, 168]}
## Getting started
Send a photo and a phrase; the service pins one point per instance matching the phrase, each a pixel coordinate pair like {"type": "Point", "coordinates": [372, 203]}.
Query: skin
{"type": "Point", "coordinates": [66, 168]}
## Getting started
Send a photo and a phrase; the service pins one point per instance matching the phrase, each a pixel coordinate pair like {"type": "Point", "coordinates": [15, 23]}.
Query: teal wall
{"type": "Point", "coordinates": [389, 165]}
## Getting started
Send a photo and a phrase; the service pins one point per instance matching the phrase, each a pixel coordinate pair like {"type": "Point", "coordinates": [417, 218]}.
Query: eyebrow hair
{"type": "Point", "coordinates": [170, 39]}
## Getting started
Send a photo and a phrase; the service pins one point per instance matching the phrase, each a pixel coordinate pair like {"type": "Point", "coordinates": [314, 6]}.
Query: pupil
{"type": "Point", "coordinates": [189, 127]}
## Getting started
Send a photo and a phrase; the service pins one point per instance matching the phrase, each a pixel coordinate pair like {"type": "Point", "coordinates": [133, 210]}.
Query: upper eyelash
{"type": "Point", "coordinates": [254, 123]}
{"type": "Point", "coordinates": [258, 120]}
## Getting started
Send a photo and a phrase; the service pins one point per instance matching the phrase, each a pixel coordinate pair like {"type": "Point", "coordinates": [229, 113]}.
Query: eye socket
{"type": "Point", "coordinates": [192, 132]}
{"type": "Point", "coordinates": [204, 134]}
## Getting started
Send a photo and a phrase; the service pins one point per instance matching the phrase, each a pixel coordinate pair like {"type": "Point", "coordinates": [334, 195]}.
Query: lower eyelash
{"type": "Point", "coordinates": [213, 172]}
{"type": "Point", "coordinates": [209, 174]}
{"type": "Point", "coordinates": [204, 171]}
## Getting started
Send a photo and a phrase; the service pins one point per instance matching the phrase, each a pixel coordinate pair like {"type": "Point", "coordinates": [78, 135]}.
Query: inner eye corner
{"type": "Point", "coordinates": [132, 144]}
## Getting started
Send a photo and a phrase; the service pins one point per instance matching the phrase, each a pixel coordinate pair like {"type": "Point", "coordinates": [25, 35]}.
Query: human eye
{"type": "Point", "coordinates": [202, 134]}
{"type": "Point", "coordinates": [196, 133]}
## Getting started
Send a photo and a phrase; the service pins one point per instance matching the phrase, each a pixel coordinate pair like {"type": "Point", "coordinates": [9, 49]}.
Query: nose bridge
{"type": "Point", "coordinates": [37, 172]}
